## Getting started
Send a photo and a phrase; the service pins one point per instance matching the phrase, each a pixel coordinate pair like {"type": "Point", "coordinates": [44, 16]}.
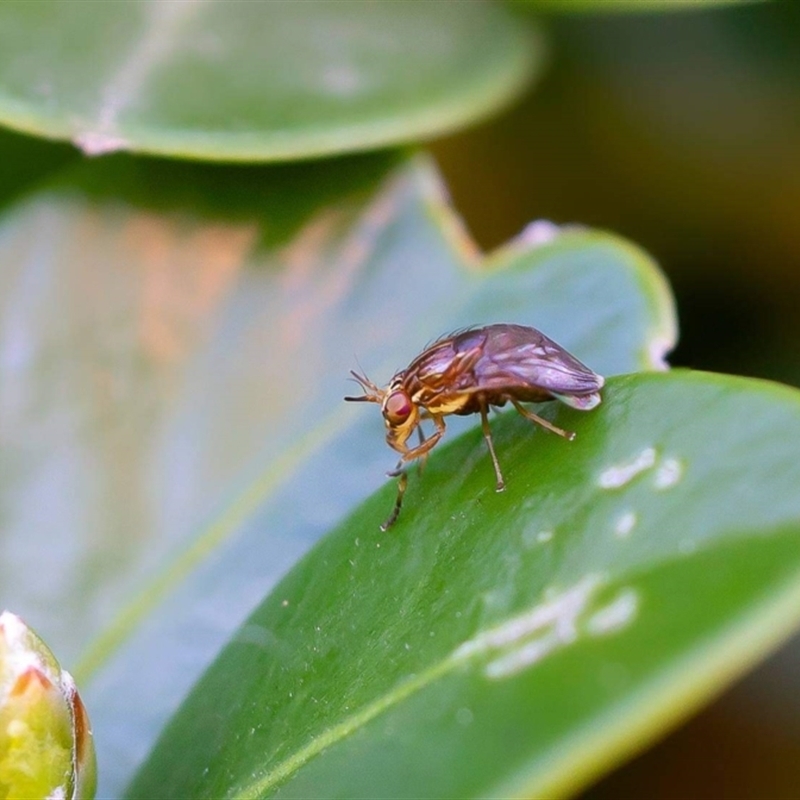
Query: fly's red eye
{"type": "Point", "coordinates": [397, 408]}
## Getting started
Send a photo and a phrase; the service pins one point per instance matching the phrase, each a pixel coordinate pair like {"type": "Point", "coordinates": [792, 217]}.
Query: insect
{"type": "Point", "coordinates": [469, 372]}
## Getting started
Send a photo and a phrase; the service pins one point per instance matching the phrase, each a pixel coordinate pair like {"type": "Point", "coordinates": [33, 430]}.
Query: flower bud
{"type": "Point", "coordinates": [46, 747]}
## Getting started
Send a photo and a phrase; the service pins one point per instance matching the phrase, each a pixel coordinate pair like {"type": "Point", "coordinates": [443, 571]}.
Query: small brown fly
{"type": "Point", "coordinates": [469, 372]}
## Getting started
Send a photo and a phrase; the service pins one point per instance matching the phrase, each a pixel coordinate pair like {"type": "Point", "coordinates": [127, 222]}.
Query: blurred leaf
{"type": "Point", "coordinates": [628, 6]}
{"type": "Point", "coordinates": [173, 356]}
{"type": "Point", "coordinates": [515, 644]}
{"type": "Point", "coordinates": [25, 161]}
{"type": "Point", "coordinates": [265, 81]}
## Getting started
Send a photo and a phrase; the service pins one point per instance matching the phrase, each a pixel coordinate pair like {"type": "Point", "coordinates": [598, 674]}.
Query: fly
{"type": "Point", "coordinates": [470, 372]}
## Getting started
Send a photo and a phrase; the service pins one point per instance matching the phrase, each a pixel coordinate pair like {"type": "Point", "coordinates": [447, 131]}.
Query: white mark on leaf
{"type": "Point", "coordinates": [669, 472]}
{"type": "Point", "coordinates": [625, 523]}
{"type": "Point", "coordinates": [97, 143]}
{"type": "Point", "coordinates": [618, 475]}
{"type": "Point", "coordinates": [343, 80]}
{"type": "Point", "coordinates": [531, 537]}
{"type": "Point", "coordinates": [616, 615]}
{"type": "Point", "coordinates": [559, 612]}
{"type": "Point", "coordinates": [526, 639]}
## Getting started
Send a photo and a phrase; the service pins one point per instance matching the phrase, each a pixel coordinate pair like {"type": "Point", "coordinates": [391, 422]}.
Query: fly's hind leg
{"type": "Point", "coordinates": [487, 434]}
{"type": "Point", "coordinates": [528, 414]}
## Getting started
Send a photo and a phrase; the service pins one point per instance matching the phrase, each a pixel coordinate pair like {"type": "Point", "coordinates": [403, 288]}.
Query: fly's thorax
{"type": "Point", "coordinates": [443, 404]}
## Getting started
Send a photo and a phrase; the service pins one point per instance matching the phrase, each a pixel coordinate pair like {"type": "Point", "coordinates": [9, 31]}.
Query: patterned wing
{"type": "Point", "coordinates": [519, 358]}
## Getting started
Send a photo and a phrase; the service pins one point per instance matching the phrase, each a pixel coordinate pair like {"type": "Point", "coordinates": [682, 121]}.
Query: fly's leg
{"type": "Point", "coordinates": [487, 434]}
{"type": "Point", "coordinates": [402, 483]}
{"type": "Point", "coordinates": [428, 444]}
{"type": "Point", "coordinates": [423, 458]}
{"type": "Point", "coordinates": [421, 451]}
{"type": "Point", "coordinates": [398, 470]}
{"type": "Point", "coordinates": [540, 421]}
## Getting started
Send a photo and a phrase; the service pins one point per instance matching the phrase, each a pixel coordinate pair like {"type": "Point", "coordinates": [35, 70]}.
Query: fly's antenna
{"type": "Point", "coordinates": [373, 394]}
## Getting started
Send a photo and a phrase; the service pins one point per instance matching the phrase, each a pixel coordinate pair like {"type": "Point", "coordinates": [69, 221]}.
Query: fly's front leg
{"type": "Point", "coordinates": [487, 434]}
{"type": "Point", "coordinates": [540, 421]}
{"type": "Point", "coordinates": [399, 472]}
{"type": "Point", "coordinates": [402, 483]}
{"type": "Point", "coordinates": [428, 444]}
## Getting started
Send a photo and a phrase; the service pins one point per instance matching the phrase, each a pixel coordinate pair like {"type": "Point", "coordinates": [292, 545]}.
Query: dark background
{"type": "Point", "coordinates": [680, 131]}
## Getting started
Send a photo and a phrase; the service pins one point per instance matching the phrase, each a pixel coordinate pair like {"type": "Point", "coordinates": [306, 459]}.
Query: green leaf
{"type": "Point", "coordinates": [515, 644]}
{"type": "Point", "coordinates": [27, 161]}
{"type": "Point", "coordinates": [628, 6]}
{"type": "Point", "coordinates": [174, 359]}
{"type": "Point", "coordinates": [264, 81]}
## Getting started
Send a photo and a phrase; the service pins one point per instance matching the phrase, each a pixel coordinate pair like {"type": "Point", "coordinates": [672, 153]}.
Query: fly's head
{"type": "Point", "coordinates": [400, 413]}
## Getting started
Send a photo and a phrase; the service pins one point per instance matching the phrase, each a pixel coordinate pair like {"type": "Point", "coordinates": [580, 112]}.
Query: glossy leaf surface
{"type": "Point", "coordinates": [236, 80]}
{"type": "Point", "coordinates": [174, 354]}
{"type": "Point", "coordinates": [514, 644]}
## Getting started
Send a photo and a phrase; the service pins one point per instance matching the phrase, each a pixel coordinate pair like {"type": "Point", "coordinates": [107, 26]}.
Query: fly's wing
{"type": "Point", "coordinates": [440, 372]}
{"type": "Point", "coordinates": [521, 359]}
